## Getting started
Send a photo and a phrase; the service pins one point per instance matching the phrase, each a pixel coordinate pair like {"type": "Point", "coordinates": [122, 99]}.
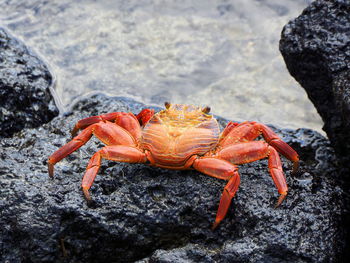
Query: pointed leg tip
{"type": "Point", "coordinates": [295, 167]}
{"type": "Point", "coordinates": [74, 131]}
{"type": "Point", "coordinates": [215, 225]}
{"type": "Point", "coordinates": [280, 199]}
{"type": "Point", "coordinates": [87, 195]}
{"type": "Point", "coordinates": [51, 169]}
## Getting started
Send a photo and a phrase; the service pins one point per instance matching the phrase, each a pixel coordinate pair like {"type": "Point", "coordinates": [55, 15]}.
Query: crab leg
{"type": "Point", "coordinates": [223, 170]}
{"type": "Point", "coordinates": [283, 148]}
{"type": "Point", "coordinates": [68, 148]}
{"type": "Point", "coordinates": [119, 153]}
{"type": "Point", "coordinates": [125, 120]}
{"type": "Point", "coordinates": [107, 132]}
{"type": "Point", "coordinates": [247, 152]}
{"type": "Point", "coordinates": [248, 131]}
{"type": "Point", "coordinates": [229, 127]}
{"type": "Point", "coordinates": [276, 170]}
{"type": "Point", "coordinates": [84, 123]}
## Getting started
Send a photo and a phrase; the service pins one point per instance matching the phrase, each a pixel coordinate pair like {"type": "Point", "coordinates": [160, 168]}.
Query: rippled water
{"type": "Point", "coordinates": [208, 52]}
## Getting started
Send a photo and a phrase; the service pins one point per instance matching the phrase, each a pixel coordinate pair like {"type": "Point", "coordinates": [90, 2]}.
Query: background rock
{"type": "Point", "coordinates": [25, 98]}
{"type": "Point", "coordinates": [157, 215]}
{"type": "Point", "coordinates": [316, 49]}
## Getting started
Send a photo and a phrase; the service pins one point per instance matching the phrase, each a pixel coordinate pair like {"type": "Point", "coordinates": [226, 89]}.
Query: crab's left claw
{"type": "Point", "coordinates": [144, 116]}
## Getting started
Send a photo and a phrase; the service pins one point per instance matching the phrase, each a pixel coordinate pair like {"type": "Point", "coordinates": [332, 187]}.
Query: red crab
{"type": "Point", "coordinates": [181, 137]}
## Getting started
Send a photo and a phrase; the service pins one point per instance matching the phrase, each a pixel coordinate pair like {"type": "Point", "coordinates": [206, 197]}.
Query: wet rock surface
{"type": "Point", "coordinates": [25, 98]}
{"type": "Point", "coordinates": [316, 49]}
{"type": "Point", "coordinates": [146, 214]}
{"type": "Point", "coordinates": [204, 52]}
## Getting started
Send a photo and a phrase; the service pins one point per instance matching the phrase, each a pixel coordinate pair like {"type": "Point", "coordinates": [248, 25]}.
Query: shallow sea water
{"type": "Point", "coordinates": [223, 54]}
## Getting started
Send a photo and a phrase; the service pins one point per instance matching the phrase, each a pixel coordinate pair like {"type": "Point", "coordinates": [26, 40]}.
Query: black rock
{"type": "Point", "coordinates": [25, 98]}
{"type": "Point", "coordinates": [158, 215]}
{"type": "Point", "coordinates": [316, 49]}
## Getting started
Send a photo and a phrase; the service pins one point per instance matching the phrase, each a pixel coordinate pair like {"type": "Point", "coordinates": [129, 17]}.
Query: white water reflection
{"type": "Point", "coordinates": [208, 52]}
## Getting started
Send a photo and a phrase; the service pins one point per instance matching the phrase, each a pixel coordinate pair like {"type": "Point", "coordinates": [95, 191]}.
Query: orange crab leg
{"type": "Point", "coordinates": [247, 152]}
{"type": "Point", "coordinates": [125, 120]}
{"type": "Point", "coordinates": [283, 148]}
{"type": "Point", "coordinates": [129, 122]}
{"type": "Point", "coordinates": [276, 170]}
{"type": "Point", "coordinates": [228, 129]}
{"type": "Point", "coordinates": [248, 131]}
{"type": "Point", "coordinates": [119, 153]}
{"type": "Point", "coordinates": [223, 170]}
{"type": "Point", "coordinates": [226, 198]}
{"type": "Point", "coordinates": [244, 152]}
{"type": "Point", "coordinates": [82, 124]}
{"type": "Point", "coordinates": [235, 132]}
{"type": "Point", "coordinates": [107, 132]}
{"type": "Point", "coordinates": [68, 148]}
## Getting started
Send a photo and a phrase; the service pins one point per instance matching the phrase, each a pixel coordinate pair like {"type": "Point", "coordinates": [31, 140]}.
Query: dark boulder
{"type": "Point", "coordinates": [25, 98]}
{"type": "Point", "coordinates": [157, 215]}
{"type": "Point", "coordinates": [316, 49]}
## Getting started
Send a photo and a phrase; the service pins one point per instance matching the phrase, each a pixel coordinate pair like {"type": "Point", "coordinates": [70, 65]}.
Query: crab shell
{"type": "Point", "coordinates": [175, 134]}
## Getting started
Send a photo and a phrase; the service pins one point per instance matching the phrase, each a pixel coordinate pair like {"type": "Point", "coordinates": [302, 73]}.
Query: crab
{"type": "Point", "coordinates": [181, 137]}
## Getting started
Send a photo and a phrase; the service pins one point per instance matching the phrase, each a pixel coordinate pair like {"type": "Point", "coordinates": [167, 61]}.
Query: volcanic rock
{"type": "Point", "coordinates": [147, 214]}
{"type": "Point", "coordinates": [25, 98]}
{"type": "Point", "coordinates": [316, 49]}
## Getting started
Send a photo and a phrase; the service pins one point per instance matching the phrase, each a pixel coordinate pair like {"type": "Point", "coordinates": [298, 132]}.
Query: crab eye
{"type": "Point", "coordinates": [206, 109]}
{"type": "Point", "coordinates": [167, 104]}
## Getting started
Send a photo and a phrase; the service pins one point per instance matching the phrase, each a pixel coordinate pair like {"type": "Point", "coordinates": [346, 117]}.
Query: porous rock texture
{"type": "Point", "coordinates": [25, 98]}
{"type": "Point", "coordinates": [147, 214]}
{"type": "Point", "coordinates": [316, 49]}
